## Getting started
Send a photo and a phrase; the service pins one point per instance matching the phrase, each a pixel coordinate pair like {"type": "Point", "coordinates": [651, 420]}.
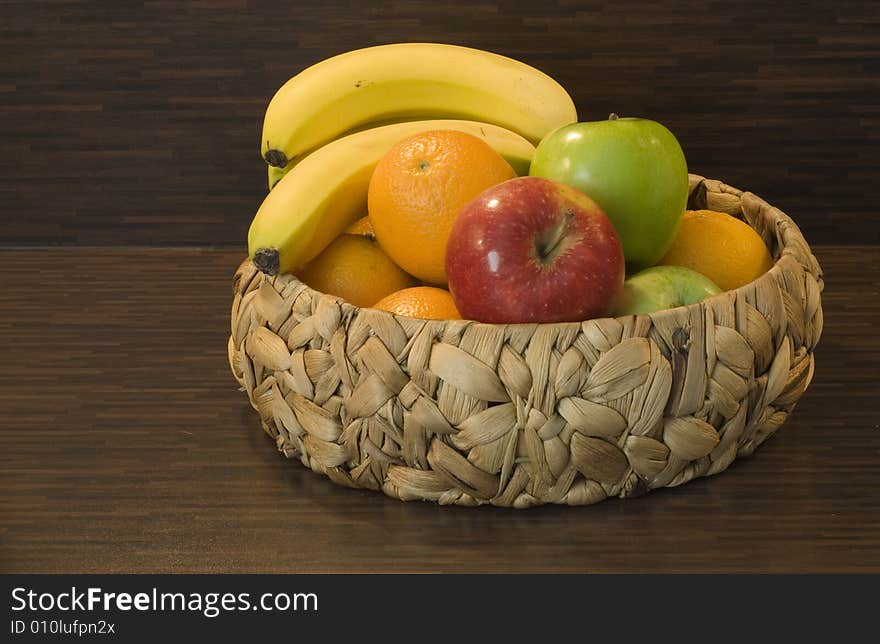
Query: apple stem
{"type": "Point", "coordinates": [548, 247]}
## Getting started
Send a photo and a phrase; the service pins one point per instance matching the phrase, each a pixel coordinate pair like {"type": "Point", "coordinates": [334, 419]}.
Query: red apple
{"type": "Point", "coordinates": [533, 250]}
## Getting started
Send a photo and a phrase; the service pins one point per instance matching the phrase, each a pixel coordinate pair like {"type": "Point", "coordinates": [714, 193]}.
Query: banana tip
{"type": "Point", "coordinates": [267, 260]}
{"type": "Point", "coordinates": [276, 158]}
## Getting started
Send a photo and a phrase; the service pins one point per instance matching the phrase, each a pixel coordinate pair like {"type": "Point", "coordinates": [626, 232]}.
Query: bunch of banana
{"type": "Point", "coordinates": [327, 191]}
{"type": "Point", "coordinates": [327, 127]}
{"type": "Point", "coordinates": [409, 81]}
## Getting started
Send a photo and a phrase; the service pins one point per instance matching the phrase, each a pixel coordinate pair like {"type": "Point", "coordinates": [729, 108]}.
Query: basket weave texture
{"type": "Point", "coordinates": [459, 412]}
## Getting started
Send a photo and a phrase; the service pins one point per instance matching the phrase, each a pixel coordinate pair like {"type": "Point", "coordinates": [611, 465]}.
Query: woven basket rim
{"type": "Point", "coordinates": [695, 180]}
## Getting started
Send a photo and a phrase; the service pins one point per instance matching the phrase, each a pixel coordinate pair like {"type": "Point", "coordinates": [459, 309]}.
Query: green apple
{"type": "Point", "coordinates": [663, 287]}
{"type": "Point", "coordinates": [633, 168]}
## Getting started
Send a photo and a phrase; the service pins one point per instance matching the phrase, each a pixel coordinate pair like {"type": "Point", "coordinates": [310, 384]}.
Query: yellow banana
{"type": "Point", "coordinates": [388, 83]}
{"type": "Point", "coordinates": [327, 191]}
{"type": "Point", "coordinates": [275, 173]}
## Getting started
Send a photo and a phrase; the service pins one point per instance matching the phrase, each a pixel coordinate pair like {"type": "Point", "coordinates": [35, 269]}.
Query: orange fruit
{"type": "Point", "coordinates": [362, 226]}
{"type": "Point", "coordinates": [723, 248]}
{"type": "Point", "coordinates": [354, 268]}
{"type": "Point", "coordinates": [418, 189]}
{"type": "Point", "coordinates": [426, 302]}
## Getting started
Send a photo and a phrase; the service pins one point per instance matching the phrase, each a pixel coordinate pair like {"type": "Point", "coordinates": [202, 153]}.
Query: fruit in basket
{"type": "Point", "coordinates": [723, 248]}
{"type": "Point", "coordinates": [533, 250]}
{"type": "Point", "coordinates": [633, 168]}
{"type": "Point", "coordinates": [327, 191]}
{"type": "Point", "coordinates": [386, 83]}
{"type": "Point", "coordinates": [426, 302]}
{"type": "Point", "coordinates": [354, 268]}
{"type": "Point", "coordinates": [663, 287]}
{"type": "Point", "coordinates": [418, 189]}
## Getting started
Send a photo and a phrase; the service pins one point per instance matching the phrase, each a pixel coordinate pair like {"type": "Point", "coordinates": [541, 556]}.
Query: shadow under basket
{"type": "Point", "coordinates": [519, 415]}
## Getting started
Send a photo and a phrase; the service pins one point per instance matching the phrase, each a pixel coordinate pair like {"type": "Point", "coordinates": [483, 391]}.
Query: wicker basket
{"type": "Point", "coordinates": [465, 413]}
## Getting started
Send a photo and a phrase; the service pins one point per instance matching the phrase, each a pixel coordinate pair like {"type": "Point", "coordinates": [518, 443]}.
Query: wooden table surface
{"type": "Point", "coordinates": [126, 447]}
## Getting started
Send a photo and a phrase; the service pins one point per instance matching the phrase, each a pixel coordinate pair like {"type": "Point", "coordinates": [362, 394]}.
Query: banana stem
{"type": "Point", "coordinates": [276, 158]}
{"type": "Point", "coordinates": [267, 260]}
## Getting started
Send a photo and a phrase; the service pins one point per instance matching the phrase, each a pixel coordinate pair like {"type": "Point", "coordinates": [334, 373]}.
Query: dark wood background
{"type": "Point", "coordinates": [139, 122]}
{"type": "Point", "coordinates": [129, 127]}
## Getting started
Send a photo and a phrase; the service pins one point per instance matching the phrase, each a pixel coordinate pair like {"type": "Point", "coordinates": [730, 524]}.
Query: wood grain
{"type": "Point", "coordinates": [139, 123]}
{"type": "Point", "coordinates": [125, 447]}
